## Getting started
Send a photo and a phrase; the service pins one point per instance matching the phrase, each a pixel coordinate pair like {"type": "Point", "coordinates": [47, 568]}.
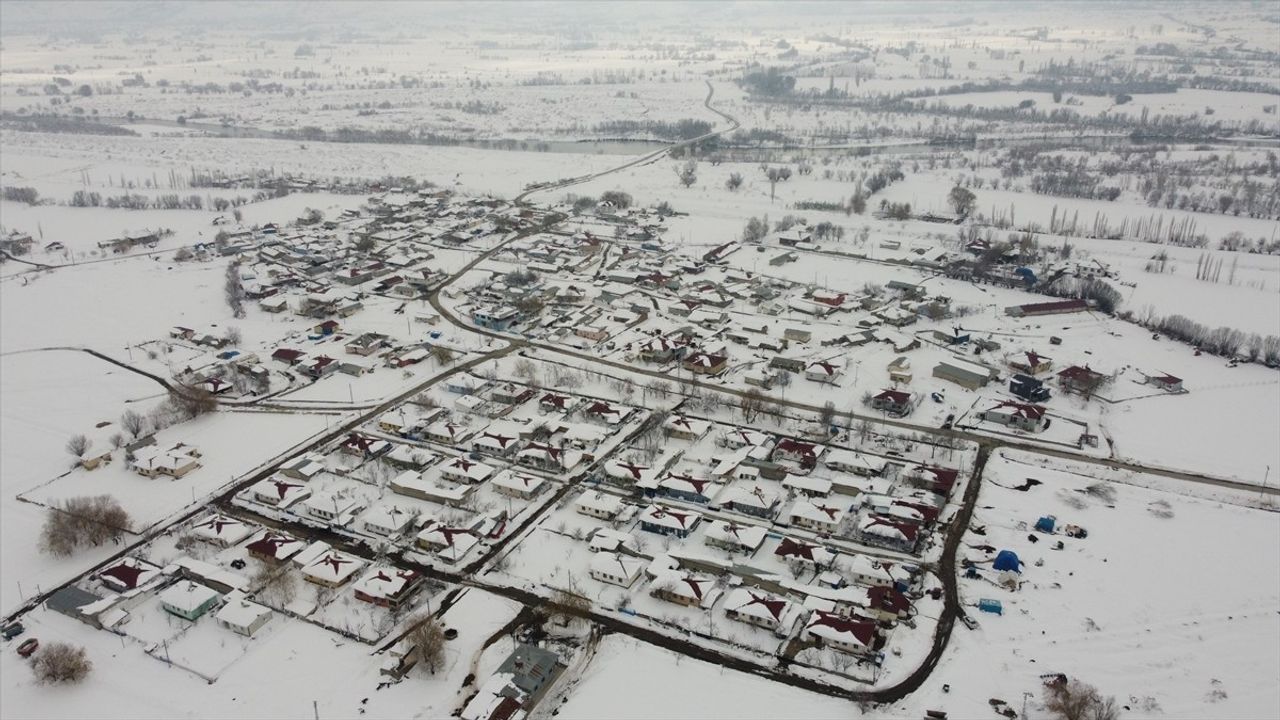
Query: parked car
{"type": "Point", "coordinates": [969, 622]}
{"type": "Point", "coordinates": [12, 630]}
{"type": "Point", "coordinates": [28, 647]}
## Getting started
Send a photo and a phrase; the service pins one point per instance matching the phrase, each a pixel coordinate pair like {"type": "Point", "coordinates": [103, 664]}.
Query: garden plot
{"type": "Point", "coordinates": [230, 445]}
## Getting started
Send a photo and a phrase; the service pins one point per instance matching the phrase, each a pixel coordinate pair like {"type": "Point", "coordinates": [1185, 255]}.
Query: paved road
{"type": "Point", "coordinates": [643, 159]}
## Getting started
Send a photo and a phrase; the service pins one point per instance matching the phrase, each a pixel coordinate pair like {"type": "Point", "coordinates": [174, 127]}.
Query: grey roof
{"type": "Point", "coordinates": [70, 599]}
{"type": "Point", "coordinates": [530, 667]}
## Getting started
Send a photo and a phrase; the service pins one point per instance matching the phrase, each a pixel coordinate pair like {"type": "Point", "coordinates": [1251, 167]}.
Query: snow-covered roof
{"type": "Point", "coordinates": [628, 471]}
{"type": "Point", "coordinates": [333, 567]}
{"type": "Point", "coordinates": [275, 545]}
{"type": "Point", "coordinates": [187, 596]}
{"type": "Point", "coordinates": [385, 581]}
{"type": "Point", "coordinates": [242, 613]}
{"type": "Point", "coordinates": [128, 573]}
{"type": "Point", "coordinates": [750, 537]}
{"type": "Point", "coordinates": [668, 518]}
{"type": "Point", "coordinates": [753, 496]}
{"type": "Point", "coordinates": [757, 603]}
{"type": "Point", "coordinates": [280, 491]}
{"type": "Point", "coordinates": [688, 425]}
{"type": "Point", "coordinates": [466, 469]}
{"type": "Point", "coordinates": [517, 481]}
{"type": "Point", "coordinates": [816, 511]}
{"type": "Point", "coordinates": [623, 566]}
{"type": "Point", "coordinates": [841, 629]}
{"type": "Point", "coordinates": [220, 528]}
{"type": "Point", "coordinates": [599, 502]}
{"type": "Point", "coordinates": [854, 460]}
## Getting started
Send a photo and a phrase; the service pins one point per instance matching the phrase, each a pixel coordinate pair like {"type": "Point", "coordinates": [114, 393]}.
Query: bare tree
{"type": "Point", "coordinates": [60, 662]}
{"type": "Point", "coordinates": [276, 584]}
{"type": "Point", "coordinates": [1076, 700]}
{"type": "Point", "coordinates": [83, 521]}
{"type": "Point", "coordinates": [192, 400]}
{"type": "Point", "coordinates": [734, 182]}
{"type": "Point", "coordinates": [442, 354]}
{"type": "Point", "coordinates": [233, 336]}
{"type": "Point", "coordinates": [133, 422]}
{"type": "Point", "coordinates": [828, 414]}
{"type": "Point", "coordinates": [427, 638]}
{"type": "Point", "coordinates": [688, 173]}
{"type": "Point", "coordinates": [570, 605]}
{"type": "Point", "coordinates": [752, 404]}
{"type": "Point", "coordinates": [78, 445]}
{"type": "Point", "coordinates": [234, 289]}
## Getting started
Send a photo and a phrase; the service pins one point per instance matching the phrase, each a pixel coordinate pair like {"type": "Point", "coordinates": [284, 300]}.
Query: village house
{"type": "Point", "coordinates": [221, 530]}
{"type": "Point", "coordinates": [465, 471]}
{"type": "Point", "coordinates": [816, 515]}
{"type": "Point", "coordinates": [330, 506]}
{"type": "Point", "coordinates": [735, 537]}
{"type": "Point", "coordinates": [855, 636]}
{"type": "Point", "coordinates": [493, 443]}
{"type": "Point", "coordinates": [388, 519]}
{"type": "Point", "coordinates": [615, 569]}
{"type": "Point", "coordinates": [682, 486]}
{"type": "Point", "coordinates": [547, 457]}
{"type": "Point", "coordinates": [752, 500]}
{"type": "Point", "coordinates": [273, 547]}
{"type": "Point", "coordinates": [128, 574]}
{"type": "Point", "coordinates": [761, 609]}
{"type": "Point", "coordinates": [1080, 380]}
{"type": "Point", "coordinates": [448, 433]}
{"type": "Point", "coordinates": [1030, 418]}
{"type": "Point", "coordinates": [686, 428]}
{"type": "Point", "coordinates": [414, 484]}
{"type": "Point", "coordinates": [450, 544]}
{"type": "Point", "coordinates": [664, 521]}
{"type": "Point", "coordinates": [895, 403]}
{"type": "Point", "coordinates": [279, 492]}
{"type": "Point", "coordinates": [364, 446]}
{"type": "Point", "coordinates": [790, 549]}
{"type": "Point", "coordinates": [332, 569]}
{"type": "Point", "coordinates": [888, 532]}
{"type": "Point", "coordinates": [792, 450]}
{"type": "Point", "coordinates": [602, 412]}
{"type": "Point", "coordinates": [852, 461]}
{"type": "Point", "coordinates": [517, 485]}
{"type": "Point", "coordinates": [1031, 363]}
{"type": "Point", "coordinates": [824, 371]}
{"type": "Point", "coordinates": [174, 462]}
{"type": "Point", "coordinates": [626, 472]}
{"type": "Point", "coordinates": [388, 586]}
{"type": "Point", "coordinates": [365, 344]}
{"type": "Point", "coordinates": [701, 363]}
{"type": "Point", "coordinates": [807, 485]}
{"type": "Point", "coordinates": [1166, 382]}
{"type": "Point", "coordinates": [243, 617]}
{"type": "Point", "coordinates": [598, 505]}
{"type": "Point", "coordinates": [936, 479]}
{"type": "Point", "coordinates": [303, 467]}
{"type": "Point", "coordinates": [685, 588]}
{"type": "Point", "coordinates": [188, 600]}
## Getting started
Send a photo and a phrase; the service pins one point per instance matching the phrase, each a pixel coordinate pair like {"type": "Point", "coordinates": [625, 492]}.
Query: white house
{"type": "Point", "coordinates": [221, 530]}
{"type": "Point", "coordinates": [761, 609]}
{"type": "Point", "coordinates": [735, 537]}
{"type": "Point", "coordinates": [465, 471]}
{"type": "Point", "coordinates": [243, 617]}
{"type": "Point", "coordinates": [517, 485]}
{"type": "Point", "coordinates": [388, 519]}
{"type": "Point", "coordinates": [598, 505]}
{"type": "Point", "coordinates": [816, 514]}
{"type": "Point", "coordinates": [621, 570]}
{"type": "Point", "coordinates": [279, 492]}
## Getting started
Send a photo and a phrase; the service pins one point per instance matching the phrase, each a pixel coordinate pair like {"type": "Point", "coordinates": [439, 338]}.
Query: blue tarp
{"type": "Point", "coordinates": [1045, 524]}
{"type": "Point", "coordinates": [1008, 560]}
